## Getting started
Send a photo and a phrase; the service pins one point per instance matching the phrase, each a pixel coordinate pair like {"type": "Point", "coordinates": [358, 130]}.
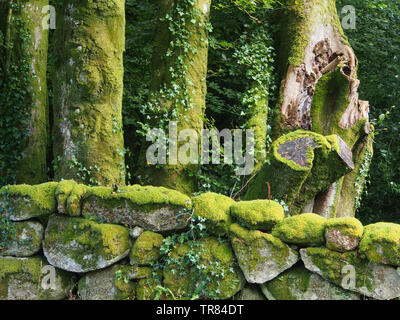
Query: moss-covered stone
{"type": "Point", "coordinates": [74, 200]}
{"type": "Point", "coordinates": [214, 276]}
{"type": "Point", "coordinates": [24, 201]}
{"type": "Point", "coordinates": [107, 284]}
{"type": "Point", "coordinates": [260, 255]}
{"type": "Point", "coordinates": [62, 192]}
{"type": "Point", "coordinates": [305, 229]}
{"type": "Point", "coordinates": [146, 248]}
{"type": "Point", "coordinates": [257, 214]}
{"type": "Point", "coordinates": [27, 279]}
{"type": "Point", "coordinates": [145, 289]}
{"type": "Point", "coordinates": [381, 243]}
{"type": "Point", "coordinates": [152, 208]}
{"type": "Point", "coordinates": [250, 291]}
{"type": "Point", "coordinates": [81, 245]}
{"type": "Point", "coordinates": [298, 283]}
{"type": "Point", "coordinates": [343, 234]}
{"type": "Point", "coordinates": [25, 241]}
{"type": "Point", "coordinates": [215, 209]}
{"type": "Point", "coordinates": [353, 273]}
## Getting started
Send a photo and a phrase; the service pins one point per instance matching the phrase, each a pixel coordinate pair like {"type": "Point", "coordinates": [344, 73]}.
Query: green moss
{"type": "Point", "coordinates": [146, 198]}
{"type": "Point", "coordinates": [301, 164]}
{"type": "Point", "coordinates": [62, 193]}
{"type": "Point", "coordinates": [215, 273]}
{"type": "Point", "coordinates": [347, 225]}
{"type": "Point", "coordinates": [145, 289]}
{"type": "Point", "coordinates": [281, 287]}
{"type": "Point", "coordinates": [29, 271]}
{"type": "Point", "coordinates": [146, 248]}
{"type": "Point", "coordinates": [380, 243]}
{"type": "Point", "coordinates": [102, 241]}
{"type": "Point", "coordinates": [251, 242]}
{"type": "Point", "coordinates": [331, 264]}
{"type": "Point", "coordinates": [330, 101]}
{"type": "Point", "coordinates": [305, 229]}
{"type": "Point", "coordinates": [257, 214]}
{"type": "Point", "coordinates": [74, 200]}
{"type": "Point", "coordinates": [354, 182]}
{"type": "Point", "coordinates": [88, 137]}
{"type": "Point", "coordinates": [215, 209]}
{"type": "Point", "coordinates": [28, 201]}
{"type": "Point", "coordinates": [301, 21]}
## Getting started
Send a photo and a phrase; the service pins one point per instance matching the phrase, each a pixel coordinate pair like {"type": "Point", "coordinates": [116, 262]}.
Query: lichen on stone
{"type": "Point", "coordinates": [260, 255]}
{"type": "Point", "coordinates": [81, 245]}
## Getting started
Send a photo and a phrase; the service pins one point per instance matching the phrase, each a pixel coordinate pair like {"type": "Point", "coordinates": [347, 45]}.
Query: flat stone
{"type": "Point", "coordinates": [32, 279]}
{"type": "Point", "coordinates": [261, 256]}
{"type": "Point", "coordinates": [298, 283]}
{"type": "Point", "coordinates": [353, 273]}
{"type": "Point", "coordinates": [25, 240]}
{"type": "Point", "coordinates": [151, 208]}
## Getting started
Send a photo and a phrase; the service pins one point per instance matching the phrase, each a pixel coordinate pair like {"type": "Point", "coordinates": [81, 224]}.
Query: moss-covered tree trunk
{"type": "Point", "coordinates": [23, 92]}
{"type": "Point", "coordinates": [178, 88]}
{"type": "Point", "coordinates": [319, 93]}
{"type": "Point", "coordinates": [88, 84]}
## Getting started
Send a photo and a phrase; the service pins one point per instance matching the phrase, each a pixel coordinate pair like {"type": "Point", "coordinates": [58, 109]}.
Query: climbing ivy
{"type": "Point", "coordinates": [190, 264]}
{"type": "Point", "coordinates": [16, 100]}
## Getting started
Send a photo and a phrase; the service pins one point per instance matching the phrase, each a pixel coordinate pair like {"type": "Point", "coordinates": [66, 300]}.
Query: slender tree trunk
{"type": "Point", "coordinates": [318, 93]}
{"type": "Point", "coordinates": [23, 105]}
{"type": "Point", "coordinates": [178, 87]}
{"type": "Point", "coordinates": [88, 134]}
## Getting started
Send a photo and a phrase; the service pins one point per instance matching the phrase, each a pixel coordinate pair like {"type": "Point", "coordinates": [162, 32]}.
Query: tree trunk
{"type": "Point", "coordinates": [24, 108]}
{"type": "Point", "coordinates": [318, 93]}
{"type": "Point", "coordinates": [178, 88]}
{"type": "Point", "coordinates": [88, 134]}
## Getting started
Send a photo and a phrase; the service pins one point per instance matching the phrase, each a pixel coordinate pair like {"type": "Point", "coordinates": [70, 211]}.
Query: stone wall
{"type": "Point", "coordinates": [70, 241]}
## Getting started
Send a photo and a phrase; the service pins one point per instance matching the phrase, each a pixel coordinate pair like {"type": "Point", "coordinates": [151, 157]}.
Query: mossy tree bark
{"type": "Point", "coordinates": [319, 93]}
{"type": "Point", "coordinates": [88, 134]}
{"type": "Point", "coordinates": [178, 88]}
{"type": "Point", "coordinates": [24, 108]}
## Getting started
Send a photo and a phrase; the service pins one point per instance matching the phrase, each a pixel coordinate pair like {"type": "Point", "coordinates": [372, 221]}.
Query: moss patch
{"type": "Point", "coordinates": [25, 201]}
{"type": "Point", "coordinates": [215, 208]}
{"type": "Point", "coordinates": [257, 214]}
{"type": "Point", "coordinates": [305, 229]}
{"type": "Point", "coordinates": [81, 245]}
{"type": "Point", "coordinates": [146, 248]}
{"type": "Point", "coordinates": [214, 276]}
{"type": "Point", "coordinates": [347, 225]}
{"type": "Point", "coordinates": [381, 243]}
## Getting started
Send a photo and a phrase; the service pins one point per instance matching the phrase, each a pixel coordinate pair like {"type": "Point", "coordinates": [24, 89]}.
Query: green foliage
{"type": "Point", "coordinates": [191, 263]}
{"type": "Point", "coordinates": [376, 44]}
{"type": "Point", "coordinates": [15, 100]}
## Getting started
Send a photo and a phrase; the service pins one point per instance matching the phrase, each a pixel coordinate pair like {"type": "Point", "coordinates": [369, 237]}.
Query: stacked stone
{"type": "Point", "coordinates": [107, 240]}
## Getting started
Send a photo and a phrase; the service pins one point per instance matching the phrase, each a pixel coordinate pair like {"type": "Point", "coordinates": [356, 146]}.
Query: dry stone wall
{"type": "Point", "coordinates": [67, 241]}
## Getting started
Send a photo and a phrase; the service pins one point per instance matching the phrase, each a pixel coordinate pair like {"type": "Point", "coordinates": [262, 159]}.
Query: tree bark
{"type": "Point", "coordinates": [319, 93]}
{"type": "Point", "coordinates": [88, 133]}
{"type": "Point", "coordinates": [178, 88]}
{"type": "Point", "coordinates": [24, 107]}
